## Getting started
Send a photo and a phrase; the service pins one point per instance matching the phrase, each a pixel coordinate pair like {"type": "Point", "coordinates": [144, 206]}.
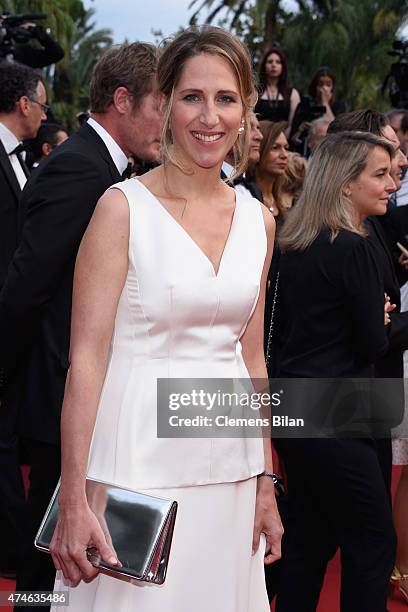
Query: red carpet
{"type": "Point", "coordinates": [330, 597]}
{"type": "Point", "coordinates": [329, 600]}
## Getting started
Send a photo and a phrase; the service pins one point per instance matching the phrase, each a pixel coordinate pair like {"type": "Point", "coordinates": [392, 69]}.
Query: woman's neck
{"type": "Point", "coordinates": [272, 84]}
{"type": "Point", "coordinates": [201, 184]}
{"type": "Point", "coordinates": [265, 183]}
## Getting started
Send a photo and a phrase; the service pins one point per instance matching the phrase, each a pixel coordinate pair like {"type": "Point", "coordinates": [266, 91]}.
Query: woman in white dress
{"type": "Point", "coordinates": [170, 282]}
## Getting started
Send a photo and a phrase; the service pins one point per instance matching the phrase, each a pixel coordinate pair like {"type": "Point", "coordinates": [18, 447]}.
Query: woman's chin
{"type": "Point", "coordinates": [208, 164]}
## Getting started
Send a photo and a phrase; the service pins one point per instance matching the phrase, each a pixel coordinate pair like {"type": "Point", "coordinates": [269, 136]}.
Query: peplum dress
{"type": "Point", "coordinates": [177, 318]}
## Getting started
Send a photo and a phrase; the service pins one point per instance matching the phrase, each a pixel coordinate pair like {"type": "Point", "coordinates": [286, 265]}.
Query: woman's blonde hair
{"type": "Point", "coordinates": [294, 176]}
{"type": "Point", "coordinates": [218, 42]}
{"type": "Point", "coordinates": [270, 131]}
{"type": "Point", "coordinates": [339, 159]}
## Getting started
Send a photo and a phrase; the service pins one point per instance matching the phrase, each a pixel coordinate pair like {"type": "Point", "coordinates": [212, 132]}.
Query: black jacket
{"type": "Point", "coordinates": [10, 193]}
{"type": "Point", "coordinates": [35, 302]}
{"type": "Point", "coordinates": [331, 309]}
{"type": "Point", "coordinates": [391, 364]}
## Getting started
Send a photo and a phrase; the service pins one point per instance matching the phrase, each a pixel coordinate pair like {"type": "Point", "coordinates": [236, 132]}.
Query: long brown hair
{"type": "Point", "coordinates": [283, 78]}
{"type": "Point", "coordinates": [270, 131]}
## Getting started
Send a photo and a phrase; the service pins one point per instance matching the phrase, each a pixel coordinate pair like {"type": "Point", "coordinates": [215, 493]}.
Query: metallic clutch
{"type": "Point", "coordinates": [140, 526]}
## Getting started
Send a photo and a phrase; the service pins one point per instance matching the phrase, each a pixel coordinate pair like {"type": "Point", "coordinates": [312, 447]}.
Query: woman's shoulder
{"type": "Point", "coordinates": [343, 243]}
{"type": "Point", "coordinates": [354, 246]}
{"type": "Point", "coordinates": [349, 238]}
{"type": "Point", "coordinates": [139, 187]}
{"type": "Point", "coordinates": [255, 210]}
{"type": "Point", "coordinates": [248, 201]}
{"type": "Point", "coordinates": [151, 179]}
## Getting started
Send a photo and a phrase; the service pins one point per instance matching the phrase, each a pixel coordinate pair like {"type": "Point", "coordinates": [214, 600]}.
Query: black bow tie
{"type": "Point", "coordinates": [17, 152]}
{"type": "Point", "coordinates": [127, 173]}
{"type": "Point", "coordinates": [19, 149]}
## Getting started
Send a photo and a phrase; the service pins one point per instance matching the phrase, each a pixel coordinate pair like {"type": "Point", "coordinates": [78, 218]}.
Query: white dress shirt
{"type": "Point", "coordinates": [227, 169]}
{"type": "Point", "coordinates": [119, 158]}
{"type": "Point", "coordinates": [402, 193]}
{"type": "Point", "coordinates": [10, 142]}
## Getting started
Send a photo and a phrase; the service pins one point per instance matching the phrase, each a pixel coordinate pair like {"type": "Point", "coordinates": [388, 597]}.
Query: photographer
{"type": "Point", "coordinates": [15, 34]}
{"type": "Point", "coordinates": [396, 80]}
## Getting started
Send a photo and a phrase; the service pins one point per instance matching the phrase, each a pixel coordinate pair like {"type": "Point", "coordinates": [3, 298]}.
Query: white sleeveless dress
{"type": "Point", "coordinates": [177, 318]}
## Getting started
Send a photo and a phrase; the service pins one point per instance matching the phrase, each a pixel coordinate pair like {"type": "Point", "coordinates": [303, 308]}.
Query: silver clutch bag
{"type": "Point", "coordinates": [140, 526]}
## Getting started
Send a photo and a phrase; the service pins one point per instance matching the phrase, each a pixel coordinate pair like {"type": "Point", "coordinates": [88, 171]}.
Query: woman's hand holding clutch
{"type": "Point", "coordinates": [78, 529]}
{"type": "Point", "coordinates": [267, 521]}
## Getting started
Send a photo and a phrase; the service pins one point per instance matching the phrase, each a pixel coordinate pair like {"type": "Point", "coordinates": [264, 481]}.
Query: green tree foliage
{"type": "Point", "coordinates": [73, 27]}
{"type": "Point", "coordinates": [350, 36]}
{"type": "Point", "coordinates": [83, 46]}
{"type": "Point", "coordinates": [259, 22]}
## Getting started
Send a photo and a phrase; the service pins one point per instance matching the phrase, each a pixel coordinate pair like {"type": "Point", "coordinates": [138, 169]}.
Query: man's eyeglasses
{"type": "Point", "coordinates": [44, 107]}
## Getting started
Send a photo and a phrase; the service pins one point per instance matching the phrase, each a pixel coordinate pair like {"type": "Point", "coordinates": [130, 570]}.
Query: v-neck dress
{"type": "Point", "coordinates": [178, 318]}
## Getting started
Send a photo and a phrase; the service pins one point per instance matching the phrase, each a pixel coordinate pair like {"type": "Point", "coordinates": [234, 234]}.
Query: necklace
{"type": "Point", "coordinates": [271, 206]}
{"type": "Point", "coordinates": [272, 97]}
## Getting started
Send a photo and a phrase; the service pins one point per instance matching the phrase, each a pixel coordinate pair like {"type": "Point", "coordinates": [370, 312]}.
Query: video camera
{"type": "Point", "coordinates": [397, 78]}
{"type": "Point", "coordinates": [11, 33]}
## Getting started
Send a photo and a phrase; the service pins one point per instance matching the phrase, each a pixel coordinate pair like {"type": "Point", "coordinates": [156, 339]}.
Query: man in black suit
{"type": "Point", "coordinates": [35, 303]}
{"type": "Point", "coordinates": [22, 106]}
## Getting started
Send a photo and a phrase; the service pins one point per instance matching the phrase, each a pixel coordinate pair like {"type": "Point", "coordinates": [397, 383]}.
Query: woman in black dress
{"type": "Point", "coordinates": [332, 325]}
{"type": "Point", "coordinates": [321, 103]}
{"type": "Point", "coordinates": [277, 101]}
{"type": "Point", "coordinates": [322, 90]}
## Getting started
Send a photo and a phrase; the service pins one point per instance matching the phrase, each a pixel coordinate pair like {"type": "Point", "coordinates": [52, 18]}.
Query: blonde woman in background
{"type": "Point", "coordinates": [293, 180]}
{"type": "Point", "coordinates": [332, 326]}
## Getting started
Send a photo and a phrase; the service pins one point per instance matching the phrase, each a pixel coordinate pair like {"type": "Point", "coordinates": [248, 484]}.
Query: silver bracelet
{"type": "Point", "coordinates": [277, 482]}
{"type": "Point", "coordinates": [274, 477]}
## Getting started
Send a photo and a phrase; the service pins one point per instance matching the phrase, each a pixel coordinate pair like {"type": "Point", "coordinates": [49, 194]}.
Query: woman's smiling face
{"type": "Point", "coordinates": [207, 111]}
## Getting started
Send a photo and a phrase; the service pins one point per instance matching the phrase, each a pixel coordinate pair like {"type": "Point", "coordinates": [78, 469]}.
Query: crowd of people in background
{"type": "Point", "coordinates": [315, 196]}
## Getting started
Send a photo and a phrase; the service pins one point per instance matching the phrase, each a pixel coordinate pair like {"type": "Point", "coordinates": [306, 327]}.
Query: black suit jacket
{"type": "Point", "coordinates": [10, 193]}
{"type": "Point", "coordinates": [391, 364]}
{"type": "Point", "coordinates": [395, 226]}
{"type": "Point", "coordinates": [35, 302]}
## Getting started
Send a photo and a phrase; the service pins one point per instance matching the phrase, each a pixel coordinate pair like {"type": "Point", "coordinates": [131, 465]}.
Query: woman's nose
{"type": "Point", "coordinates": [209, 114]}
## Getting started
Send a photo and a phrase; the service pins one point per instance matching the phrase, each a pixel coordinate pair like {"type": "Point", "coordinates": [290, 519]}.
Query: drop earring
{"type": "Point", "coordinates": [242, 128]}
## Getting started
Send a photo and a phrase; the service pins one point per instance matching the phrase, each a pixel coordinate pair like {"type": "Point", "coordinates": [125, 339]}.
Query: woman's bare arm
{"type": "Point", "coordinates": [267, 518]}
{"type": "Point", "coordinates": [100, 275]}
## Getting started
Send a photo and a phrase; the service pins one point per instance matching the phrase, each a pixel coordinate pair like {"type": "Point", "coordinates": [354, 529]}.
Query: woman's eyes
{"type": "Point", "coordinates": [226, 99]}
{"type": "Point", "coordinates": [223, 99]}
{"type": "Point", "coordinates": [191, 98]}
